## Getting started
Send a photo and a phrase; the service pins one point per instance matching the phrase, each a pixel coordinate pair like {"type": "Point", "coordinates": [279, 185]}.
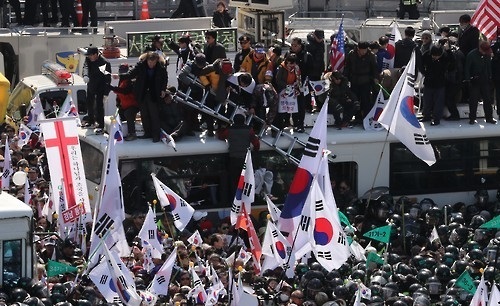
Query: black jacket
{"type": "Point", "coordinates": [468, 39]}
{"type": "Point", "coordinates": [435, 71]}
{"type": "Point", "coordinates": [317, 50]}
{"type": "Point", "coordinates": [143, 80]}
{"type": "Point", "coordinates": [213, 52]}
{"type": "Point", "coordinates": [404, 48]}
{"type": "Point", "coordinates": [221, 20]}
{"type": "Point", "coordinates": [98, 81]}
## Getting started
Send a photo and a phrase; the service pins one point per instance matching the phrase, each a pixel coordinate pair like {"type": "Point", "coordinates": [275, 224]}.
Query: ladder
{"type": "Point", "coordinates": [186, 99]}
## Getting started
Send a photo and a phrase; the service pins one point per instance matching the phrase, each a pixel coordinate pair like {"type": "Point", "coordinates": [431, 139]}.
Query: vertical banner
{"type": "Point", "coordinates": [64, 157]}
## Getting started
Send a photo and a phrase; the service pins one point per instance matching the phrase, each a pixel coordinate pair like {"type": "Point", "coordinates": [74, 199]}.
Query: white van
{"type": "Point", "coordinates": [52, 86]}
{"type": "Point", "coordinates": [16, 239]}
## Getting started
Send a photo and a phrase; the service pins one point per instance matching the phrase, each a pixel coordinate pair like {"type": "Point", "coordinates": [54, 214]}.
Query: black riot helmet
{"type": "Point", "coordinates": [33, 301]}
{"type": "Point", "coordinates": [459, 236]}
{"type": "Point", "coordinates": [443, 273]}
{"type": "Point", "coordinates": [434, 285]}
{"type": "Point", "coordinates": [18, 295]}
{"type": "Point", "coordinates": [482, 198]}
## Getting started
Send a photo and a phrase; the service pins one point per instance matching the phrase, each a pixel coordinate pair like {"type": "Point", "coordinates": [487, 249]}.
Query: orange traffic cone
{"type": "Point", "coordinates": [79, 12]}
{"type": "Point", "coordinates": [144, 10]}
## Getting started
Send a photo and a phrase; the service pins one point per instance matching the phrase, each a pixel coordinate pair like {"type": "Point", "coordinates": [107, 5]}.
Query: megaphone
{"type": "Point", "coordinates": [19, 178]}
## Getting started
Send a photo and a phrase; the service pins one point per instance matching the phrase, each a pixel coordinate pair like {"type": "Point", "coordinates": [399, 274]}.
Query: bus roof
{"type": "Point", "coordinates": [13, 208]}
{"type": "Point", "coordinates": [199, 144]}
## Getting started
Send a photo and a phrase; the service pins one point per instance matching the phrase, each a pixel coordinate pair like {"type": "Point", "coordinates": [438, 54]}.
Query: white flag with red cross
{"type": "Point", "coordinates": [64, 157]}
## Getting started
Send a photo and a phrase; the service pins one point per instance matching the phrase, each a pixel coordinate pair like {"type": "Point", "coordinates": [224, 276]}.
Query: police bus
{"type": "Point", "coordinates": [467, 155]}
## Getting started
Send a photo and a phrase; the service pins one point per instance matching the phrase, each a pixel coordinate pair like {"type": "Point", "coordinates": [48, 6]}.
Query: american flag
{"type": "Point", "coordinates": [487, 18]}
{"type": "Point", "coordinates": [337, 52]}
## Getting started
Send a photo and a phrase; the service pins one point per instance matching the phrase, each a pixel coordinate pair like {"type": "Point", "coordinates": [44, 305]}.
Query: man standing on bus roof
{"type": "Point", "coordinates": [97, 87]}
{"type": "Point", "coordinates": [150, 88]}
{"type": "Point", "coordinates": [478, 77]}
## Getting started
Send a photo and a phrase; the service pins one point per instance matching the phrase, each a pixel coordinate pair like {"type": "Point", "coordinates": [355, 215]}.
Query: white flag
{"type": "Point", "coordinates": [434, 235]}
{"type": "Point", "coordinates": [494, 296]}
{"type": "Point", "coordinates": [161, 280]}
{"type": "Point", "coordinates": [124, 288]}
{"type": "Point", "coordinates": [370, 121]}
{"type": "Point", "coordinates": [244, 256]}
{"type": "Point", "coordinates": [274, 211]}
{"type": "Point", "coordinates": [245, 192]}
{"type": "Point", "coordinates": [111, 214]}
{"type": "Point", "coordinates": [319, 87]}
{"type": "Point", "coordinates": [167, 139]}
{"type": "Point", "coordinates": [181, 210]}
{"type": "Point", "coordinates": [147, 297]}
{"type": "Point", "coordinates": [291, 213]}
{"type": "Point", "coordinates": [366, 293]}
{"type": "Point", "coordinates": [35, 113]}
{"type": "Point", "coordinates": [388, 63]}
{"type": "Point", "coordinates": [7, 166]}
{"type": "Point", "coordinates": [329, 243]}
{"type": "Point", "coordinates": [149, 232]}
{"type": "Point", "coordinates": [357, 250]}
{"type": "Point", "coordinates": [48, 208]}
{"type": "Point", "coordinates": [195, 239]}
{"type": "Point", "coordinates": [481, 296]}
{"type": "Point", "coordinates": [64, 158]}
{"type": "Point", "coordinates": [399, 116]}
{"type": "Point", "coordinates": [101, 276]}
{"type": "Point", "coordinates": [236, 290]}
{"type": "Point", "coordinates": [23, 135]}
{"type": "Point", "coordinates": [198, 291]}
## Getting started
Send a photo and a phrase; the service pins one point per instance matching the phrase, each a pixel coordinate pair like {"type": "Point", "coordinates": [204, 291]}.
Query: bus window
{"type": "Point", "coordinates": [460, 166]}
{"type": "Point", "coordinates": [11, 257]}
{"type": "Point", "coordinates": [92, 169]}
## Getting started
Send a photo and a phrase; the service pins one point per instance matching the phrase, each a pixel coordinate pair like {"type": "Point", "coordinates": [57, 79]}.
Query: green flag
{"type": "Point", "coordinates": [374, 257]}
{"type": "Point", "coordinates": [493, 223]}
{"type": "Point", "coordinates": [56, 268]}
{"type": "Point", "coordinates": [466, 282]}
{"type": "Point", "coordinates": [343, 219]}
{"type": "Point", "coordinates": [381, 234]}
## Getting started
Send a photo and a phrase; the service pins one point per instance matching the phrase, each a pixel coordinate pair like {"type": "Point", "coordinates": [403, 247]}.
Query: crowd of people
{"type": "Point", "coordinates": [417, 268]}
{"type": "Point", "coordinates": [457, 68]}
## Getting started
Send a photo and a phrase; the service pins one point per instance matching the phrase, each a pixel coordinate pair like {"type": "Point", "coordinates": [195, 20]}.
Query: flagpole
{"type": "Point", "coordinates": [381, 154]}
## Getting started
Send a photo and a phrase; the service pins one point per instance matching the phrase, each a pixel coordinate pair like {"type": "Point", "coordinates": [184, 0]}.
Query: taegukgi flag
{"type": "Point", "coordinates": [245, 191]}
{"type": "Point", "coordinates": [399, 118]}
{"type": "Point", "coordinates": [181, 210]}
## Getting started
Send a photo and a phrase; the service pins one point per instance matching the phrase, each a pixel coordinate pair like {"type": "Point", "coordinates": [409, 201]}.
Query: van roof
{"type": "Point", "coordinates": [42, 81]}
{"type": "Point", "coordinates": [13, 208]}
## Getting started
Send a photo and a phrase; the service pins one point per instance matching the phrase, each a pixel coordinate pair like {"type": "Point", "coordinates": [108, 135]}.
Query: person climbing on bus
{"type": "Point", "coordinates": [150, 88]}
{"type": "Point", "coordinates": [126, 101]}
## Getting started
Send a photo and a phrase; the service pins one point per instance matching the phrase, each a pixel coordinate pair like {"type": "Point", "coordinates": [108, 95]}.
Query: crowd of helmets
{"type": "Point", "coordinates": [415, 271]}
